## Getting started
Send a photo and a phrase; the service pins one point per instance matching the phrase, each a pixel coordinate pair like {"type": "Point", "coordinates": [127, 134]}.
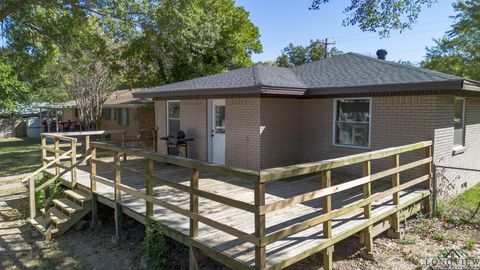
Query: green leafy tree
{"type": "Point", "coordinates": [295, 55]}
{"type": "Point", "coordinates": [458, 52]}
{"type": "Point", "coordinates": [11, 89]}
{"type": "Point", "coordinates": [186, 39]}
{"type": "Point", "coordinates": [381, 16]}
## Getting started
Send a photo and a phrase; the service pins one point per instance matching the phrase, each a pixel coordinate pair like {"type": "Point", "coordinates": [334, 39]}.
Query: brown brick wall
{"type": "Point", "coordinates": [242, 138]}
{"type": "Point", "coordinates": [137, 120]}
{"type": "Point", "coordinates": [281, 132]}
{"type": "Point", "coordinates": [193, 121]}
{"type": "Point", "coordinates": [396, 121]}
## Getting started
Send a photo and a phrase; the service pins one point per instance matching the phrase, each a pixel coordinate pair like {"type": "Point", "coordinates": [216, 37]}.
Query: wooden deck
{"type": "Point", "coordinates": [233, 251]}
{"type": "Point", "coordinates": [245, 219]}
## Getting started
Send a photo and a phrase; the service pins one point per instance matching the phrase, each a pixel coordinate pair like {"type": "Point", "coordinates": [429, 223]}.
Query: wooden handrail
{"type": "Point", "coordinates": [46, 166]}
{"type": "Point", "coordinates": [185, 212]}
{"type": "Point", "coordinates": [314, 167]}
{"type": "Point", "coordinates": [296, 228]}
{"type": "Point", "coordinates": [181, 161]}
{"type": "Point", "coordinates": [58, 136]}
{"type": "Point", "coordinates": [341, 187]}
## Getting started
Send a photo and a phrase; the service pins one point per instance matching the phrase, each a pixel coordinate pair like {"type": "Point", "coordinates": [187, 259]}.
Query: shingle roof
{"type": "Point", "coordinates": [353, 69]}
{"type": "Point", "coordinates": [254, 76]}
{"type": "Point", "coordinates": [346, 70]}
{"type": "Point", "coordinates": [118, 98]}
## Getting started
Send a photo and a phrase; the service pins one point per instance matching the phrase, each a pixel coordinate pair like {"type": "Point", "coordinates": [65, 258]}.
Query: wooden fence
{"type": "Point", "coordinates": [259, 180]}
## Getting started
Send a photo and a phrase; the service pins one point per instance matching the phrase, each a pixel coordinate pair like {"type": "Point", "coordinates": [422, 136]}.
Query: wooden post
{"type": "Point", "coordinates": [149, 187]}
{"type": "Point", "coordinates": [93, 171]}
{"type": "Point", "coordinates": [43, 141]}
{"type": "Point", "coordinates": [74, 161]}
{"type": "Point", "coordinates": [328, 258]}
{"type": "Point", "coordinates": [48, 223]}
{"type": "Point", "coordinates": [93, 188]}
{"type": "Point", "coordinates": [57, 147]}
{"type": "Point", "coordinates": [118, 199]}
{"type": "Point", "coordinates": [327, 203]}
{"type": "Point", "coordinates": [395, 230]}
{"type": "Point", "coordinates": [118, 223]}
{"type": "Point", "coordinates": [327, 225]}
{"type": "Point", "coordinates": [193, 221]}
{"type": "Point", "coordinates": [33, 207]}
{"type": "Point", "coordinates": [260, 250]}
{"type": "Point", "coordinates": [117, 177]}
{"type": "Point", "coordinates": [428, 200]}
{"type": "Point", "coordinates": [367, 210]}
{"type": "Point", "coordinates": [124, 143]}
{"type": "Point", "coordinates": [87, 147]}
{"type": "Point", "coordinates": [367, 188]}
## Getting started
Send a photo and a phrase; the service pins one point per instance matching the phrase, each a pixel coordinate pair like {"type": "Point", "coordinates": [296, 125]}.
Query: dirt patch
{"type": "Point", "coordinates": [83, 248]}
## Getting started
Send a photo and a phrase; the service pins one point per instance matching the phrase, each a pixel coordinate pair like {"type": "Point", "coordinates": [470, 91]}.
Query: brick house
{"type": "Point", "coordinates": [261, 117]}
{"type": "Point", "coordinates": [121, 112]}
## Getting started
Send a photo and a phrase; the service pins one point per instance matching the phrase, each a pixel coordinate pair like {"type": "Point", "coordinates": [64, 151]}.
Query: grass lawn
{"type": "Point", "coordinates": [19, 155]}
{"type": "Point", "coordinates": [465, 207]}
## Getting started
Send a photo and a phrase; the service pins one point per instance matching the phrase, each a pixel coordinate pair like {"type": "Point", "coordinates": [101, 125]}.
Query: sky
{"type": "Point", "coordinates": [289, 21]}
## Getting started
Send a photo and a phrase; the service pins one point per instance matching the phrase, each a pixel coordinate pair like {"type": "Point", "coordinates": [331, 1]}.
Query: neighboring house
{"type": "Point", "coordinates": [121, 112]}
{"type": "Point", "coordinates": [260, 117]}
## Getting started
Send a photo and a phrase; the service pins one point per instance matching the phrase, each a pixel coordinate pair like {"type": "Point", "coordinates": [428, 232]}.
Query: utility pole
{"type": "Point", "coordinates": [326, 43]}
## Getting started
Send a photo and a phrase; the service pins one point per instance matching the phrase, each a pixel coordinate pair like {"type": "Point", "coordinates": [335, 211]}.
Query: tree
{"type": "Point", "coordinates": [186, 39]}
{"type": "Point", "coordinates": [458, 52]}
{"type": "Point", "coordinates": [11, 89]}
{"type": "Point", "coordinates": [43, 36]}
{"type": "Point", "coordinates": [382, 16]}
{"type": "Point", "coordinates": [295, 55]}
{"type": "Point", "coordinates": [91, 85]}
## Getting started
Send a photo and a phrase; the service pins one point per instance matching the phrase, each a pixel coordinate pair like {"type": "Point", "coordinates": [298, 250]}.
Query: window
{"type": "Point", "coordinates": [173, 117]}
{"type": "Point", "coordinates": [220, 119]}
{"type": "Point", "coordinates": [459, 122]}
{"type": "Point", "coordinates": [113, 116]}
{"type": "Point", "coordinates": [106, 114]}
{"type": "Point", "coordinates": [352, 122]}
{"type": "Point", "coordinates": [122, 116]}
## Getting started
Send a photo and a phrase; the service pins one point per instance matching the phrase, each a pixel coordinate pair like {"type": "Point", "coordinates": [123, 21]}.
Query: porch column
{"type": "Point", "coordinates": [56, 120]}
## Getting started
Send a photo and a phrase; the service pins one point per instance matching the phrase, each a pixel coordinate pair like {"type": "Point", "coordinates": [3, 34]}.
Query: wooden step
{"type": "Point", "coordinates": [77, 195]}
{"type": "Point", "coordinates": [67, 205]}
{"type": "Point", "coordinates": [56, 215]}
{"type": "Point", "coordinates": [39, 224]}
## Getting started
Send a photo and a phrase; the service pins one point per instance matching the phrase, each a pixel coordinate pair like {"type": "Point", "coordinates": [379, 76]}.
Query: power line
{"type": "Point", "coordinates": [393, 36]}
{"type": "Point", "coordinates": [416, 25]}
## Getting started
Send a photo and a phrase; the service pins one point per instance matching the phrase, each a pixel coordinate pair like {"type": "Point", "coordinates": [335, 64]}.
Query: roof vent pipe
{"type": "Point", "coordinates": [382, 54]}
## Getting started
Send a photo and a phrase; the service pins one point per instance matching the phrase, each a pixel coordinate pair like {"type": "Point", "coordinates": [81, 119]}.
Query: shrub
{"type": "Point", "coordinates": [439, 236]}
{"type": "Point", "coordinates": [55, 191]}
{"type": "Point", "coordinates": [469, 244]}
{"type": "Point", "coordinates": [441, 209]}
{"type": "Point", "coordinates": [408, 241]}
{"type": "Point", "coordinates": [154, 246]}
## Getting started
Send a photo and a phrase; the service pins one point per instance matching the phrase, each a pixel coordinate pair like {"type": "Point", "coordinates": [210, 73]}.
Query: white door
{"type": "Point", "coordinates": [216, 120]}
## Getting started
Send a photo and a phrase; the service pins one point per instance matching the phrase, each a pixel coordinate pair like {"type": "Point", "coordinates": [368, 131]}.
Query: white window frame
{"type": "Point", "coordinates": [334, 131]}
{"type": "Point", "coordinates": [464, 101]}
{"type": "Point", "coordinates": [168, 116]}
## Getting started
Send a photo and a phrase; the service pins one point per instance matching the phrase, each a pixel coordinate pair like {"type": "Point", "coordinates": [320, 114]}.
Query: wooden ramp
{"type": "Point", "coordinates": [264, 220]}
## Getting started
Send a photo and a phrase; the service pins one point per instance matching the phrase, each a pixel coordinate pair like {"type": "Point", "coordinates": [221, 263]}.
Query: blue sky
{"type": "Point", "coordinates": [289, 21]}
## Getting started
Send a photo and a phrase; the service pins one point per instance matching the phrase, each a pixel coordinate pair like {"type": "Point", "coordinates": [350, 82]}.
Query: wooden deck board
{"type": "Point", "coordinates": [241, 190]}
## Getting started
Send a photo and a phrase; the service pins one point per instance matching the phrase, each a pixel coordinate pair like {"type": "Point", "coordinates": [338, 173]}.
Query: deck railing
{"type": "Point", "coordinates": [259, 208]}
{"type": "Point", "coordinates": [193, 189]}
